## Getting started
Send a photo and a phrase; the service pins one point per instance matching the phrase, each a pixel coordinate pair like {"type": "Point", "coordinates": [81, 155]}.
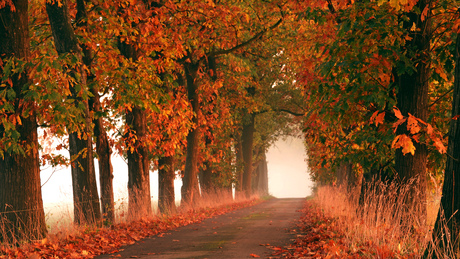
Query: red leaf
{"type": "Point", "coordinates": [380, 119]}
{"type": "Point", "coordinates": [254, 255]}
{"type": "Point", "coordinates": [412, 125]}
{"type": "Point", "coordinates": [398, 113]}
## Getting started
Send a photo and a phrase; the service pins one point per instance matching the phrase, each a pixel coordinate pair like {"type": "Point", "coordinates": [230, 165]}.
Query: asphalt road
{"type": "Point", "coordinates": [245, 233]}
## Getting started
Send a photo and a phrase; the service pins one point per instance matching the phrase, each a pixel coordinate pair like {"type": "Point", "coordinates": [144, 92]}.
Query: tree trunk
{"type": "Point", "coordinates": [206, 182]}
{"type": "Point", "coordinates": [448, 219]}
{"type": "Point", "coordinates": [190, 189]}
{"type": "Point", "coordinates": [139, 201]}
{"type": "Point", "coordinates": [103, 149]}
{"type": "Point", "coordinates": [105, 164]}
{"type": "Point", "coordinates": [239, 167]}
{"type": "Point", "coordinates": [263, 177]}
{"type": "Point", "coordinates": [21, 206]}
{"type": "Point", "coordinates": [412, 98]}
{"type": "Point", "coordinates": [247, 144]}
{"type": "Point", "coordinates": [86, 200]}
{"type": "Point", "coordinates": [166, 175]}
{"type": "Point", "coordinates": [256, 168]}
{"type": "Point", "coordinates": [341, 174]}
{"type": "Point", "coordinates": [353, 185]}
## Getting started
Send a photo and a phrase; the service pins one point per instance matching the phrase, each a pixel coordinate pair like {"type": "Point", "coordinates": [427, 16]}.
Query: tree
{"type": "Point", "coordinates": [21, 205]}
{"type": "Point", "coordinates": [446, 230]}
{"type": "Point", "coordinates": [137, 144]}
{"type": "Point", "coordinates": [412, 98]}
{"type": "Point", "coordinates": [190, 189]}
{"type": "Point", "coordinates": [166, 176]}
{"type": "Point", "coordinates": [103, 149]}
{"type": "Point", "coordinates": [86, 199]}
{"type": "Point", "coordinates": [247, 138]}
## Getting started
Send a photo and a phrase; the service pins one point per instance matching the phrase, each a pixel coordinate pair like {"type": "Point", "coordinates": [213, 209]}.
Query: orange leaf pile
{"type": "Point", "coordinates": [318, 236]}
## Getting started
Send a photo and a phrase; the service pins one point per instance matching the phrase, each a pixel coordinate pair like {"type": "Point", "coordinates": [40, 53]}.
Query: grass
{"type": "Point", "coordinates": [381, 223]}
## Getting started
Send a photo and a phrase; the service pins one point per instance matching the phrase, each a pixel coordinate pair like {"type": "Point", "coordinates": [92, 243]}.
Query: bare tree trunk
{"type": "Point", "coordinates": [206, 181]}
{"type": "Point", "coordinates": [239, 167]}
{"type": "Point", "coordinates": [263, 177]}
{"type": "Point", "coordinates": [341, 174]}
{"type": "Point", "coordinates": [139, 201]}
{"type": "Point", "coordinates": [105, 164]}
{"type": "Point", "coordinates": [166, 175]}
{"type": "Point", "coordinates": [190, 189]}
{"type": "Point", "coordinates": [446, 231]}
{"type": "Point", "coordinates": [21, 205]}
{"type": "Point", "coordinates": [86, 200]}
{"type": "Point", "coordinates": [247, 143]}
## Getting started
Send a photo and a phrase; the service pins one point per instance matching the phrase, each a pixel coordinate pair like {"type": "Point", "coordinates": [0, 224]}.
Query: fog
{"type": "Point", "coordinates": [287, 175]}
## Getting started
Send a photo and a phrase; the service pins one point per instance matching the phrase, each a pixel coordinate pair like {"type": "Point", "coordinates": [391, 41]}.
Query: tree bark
{"type": "Point", "coordinates": [21, 206]}
{"type": "Point", "coordinates": [103, 149]}
{"type": "Point", "coordinates": [166, 175]}
{"type": "Point", "coordinates": [247, 144]}
{"type": "Point", "coordinates": [104, 153]}
{"type": "Point", "coordinates": [448, 219]}
{"type": "Point", "coordinates": [86, 200]}
{"type": "Point", "coordinates": [263, 177]}
{"type": "Point", "coordinates": [190, 189]}
{"type": "Point", "coordinates": [139, 201]}
{"type": "Point", "coordinates": [353, 185]}
{"type": "Point", "coordinates": [239, 167]}
{"type": "Point", "coordinates": [341, 174]}
{"type": "Point", "coordinates": [206, 180]}
{"type": "Point", "coordinates": [412, 98]}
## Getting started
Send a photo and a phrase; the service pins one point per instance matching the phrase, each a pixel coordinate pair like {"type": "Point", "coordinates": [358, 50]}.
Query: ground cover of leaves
{"type": "Point", "coordinates": [318, 236]}
{"type": "Point", "coordinates": [89, 242]}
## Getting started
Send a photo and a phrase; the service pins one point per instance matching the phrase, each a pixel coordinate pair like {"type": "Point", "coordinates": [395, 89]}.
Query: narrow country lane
{"type": "Point", "coordinates": [244, 233]}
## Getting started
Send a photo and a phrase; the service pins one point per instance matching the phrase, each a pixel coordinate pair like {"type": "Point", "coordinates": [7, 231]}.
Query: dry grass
{"type": "Point", "coordinates": [380, 222]}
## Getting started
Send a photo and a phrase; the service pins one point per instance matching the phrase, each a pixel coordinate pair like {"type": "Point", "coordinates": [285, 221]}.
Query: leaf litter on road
{"type": "Point", "coordinates": [91, 241]}
{"type": "Point", "coordinates": [318, 236]}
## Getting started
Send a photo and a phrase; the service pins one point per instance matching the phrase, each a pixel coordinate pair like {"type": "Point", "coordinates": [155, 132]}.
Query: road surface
{"type": "Point", "coordinates": [244, 233]}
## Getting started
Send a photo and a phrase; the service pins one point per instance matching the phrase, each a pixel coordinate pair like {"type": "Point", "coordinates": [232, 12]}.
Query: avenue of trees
{"type": "Point", "coordinates": [188, 88]}
{"type": "Point", "coordinates": [204, 87]}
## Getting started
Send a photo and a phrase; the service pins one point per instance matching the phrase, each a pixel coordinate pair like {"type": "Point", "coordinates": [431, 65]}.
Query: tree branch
{"type": "Point", "coordinates": [442, 96]}
{"type": "Point", "coordinates": [239, 46]}
{"type": "Point", "coordinates": [291, 112]}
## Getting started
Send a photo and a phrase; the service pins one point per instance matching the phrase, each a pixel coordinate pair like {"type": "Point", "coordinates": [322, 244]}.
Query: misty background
{"type": "Point", "coordinates": [288, 176]}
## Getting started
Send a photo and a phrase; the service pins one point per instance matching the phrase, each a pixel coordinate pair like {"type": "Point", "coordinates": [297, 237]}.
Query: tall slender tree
{"type": "Point", "coordinates": [139, 199]}
{"type": "Point", "coordinates": [103, 149]}
{"type": "Point", "coordinates": [86, 199]}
